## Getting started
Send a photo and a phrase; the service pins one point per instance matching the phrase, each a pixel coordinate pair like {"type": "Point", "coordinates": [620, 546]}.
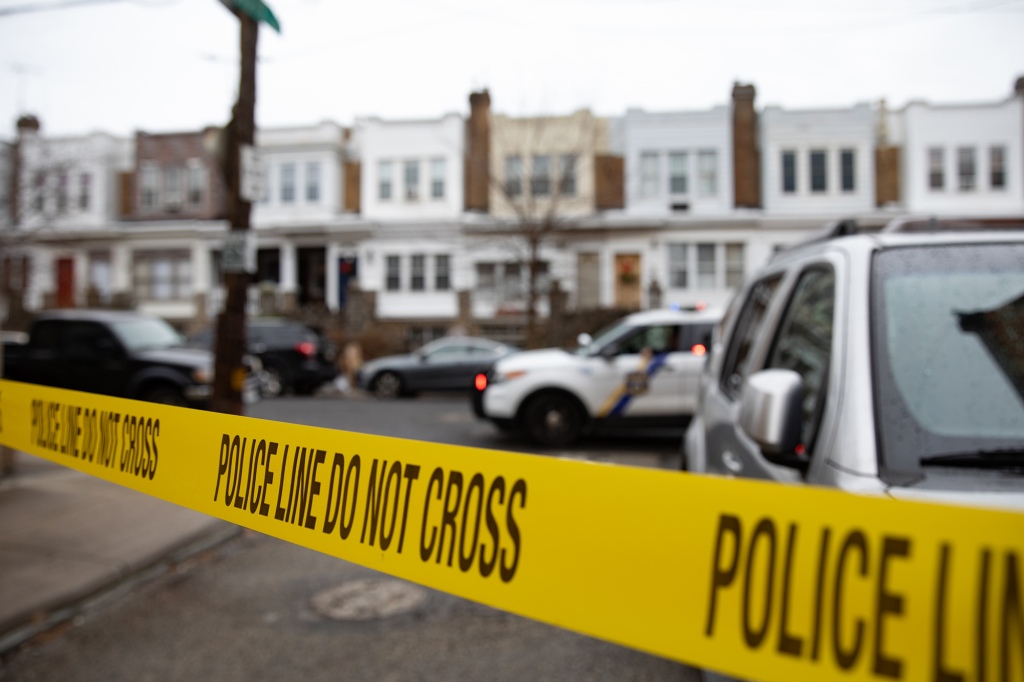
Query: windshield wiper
{"type": "Point", "coordinates": [1008, 458]}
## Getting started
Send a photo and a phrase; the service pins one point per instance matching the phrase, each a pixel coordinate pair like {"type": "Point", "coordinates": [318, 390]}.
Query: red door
{"type": "Point", "coordinates": [65, 283]}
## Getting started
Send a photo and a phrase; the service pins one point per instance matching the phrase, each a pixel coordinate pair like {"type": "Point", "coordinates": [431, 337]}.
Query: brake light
{"type": "Point", "coordinates": [480, 382]}
{"type": "Point", "coordinates": [699, 349]}
{"type": "Point", "coordinates": [306, 348]}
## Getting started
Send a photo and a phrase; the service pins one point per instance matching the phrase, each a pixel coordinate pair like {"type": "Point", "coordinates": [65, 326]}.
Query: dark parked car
{"type": "Point", "coordinates": [296, 358]}
{"type": "Point", "coordinates": [119, 353]}
{"type": "Point", "coordinates": [447, 364]}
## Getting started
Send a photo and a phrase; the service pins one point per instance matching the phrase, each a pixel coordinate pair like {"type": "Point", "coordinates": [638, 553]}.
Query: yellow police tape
{"type": "Point", "coordinates": [754, 579]}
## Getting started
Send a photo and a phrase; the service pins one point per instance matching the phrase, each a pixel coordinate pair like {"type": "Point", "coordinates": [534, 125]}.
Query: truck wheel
{"type": "Point", "coordinates": [165, 395]}
{"type": "Point", "coordinates": [386, 386]}
{"type": "Point", "coordinates": [553, 420]}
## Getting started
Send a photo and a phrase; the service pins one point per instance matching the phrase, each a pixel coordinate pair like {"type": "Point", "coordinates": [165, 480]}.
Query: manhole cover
{"type": "Point", "coordinates": [368, 599]}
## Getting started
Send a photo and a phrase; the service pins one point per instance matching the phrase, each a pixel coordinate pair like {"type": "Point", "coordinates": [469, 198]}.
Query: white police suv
{"type": "Point", "coordinates": [642, 371]}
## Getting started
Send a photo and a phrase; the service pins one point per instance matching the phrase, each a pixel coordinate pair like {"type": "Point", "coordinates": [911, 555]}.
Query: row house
{"type": "Point", "coordinates": [436, 221]}
{"type": "Point", "coordinates": [305, 229]}
{"type": "Point", "coordinates": [963, 158]}
{"type": "Point", "coordinates": [412, 201]}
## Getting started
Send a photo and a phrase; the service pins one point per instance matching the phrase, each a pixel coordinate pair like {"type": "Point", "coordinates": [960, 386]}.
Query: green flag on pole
{"type": "Point", "coordinates": [255, 10]}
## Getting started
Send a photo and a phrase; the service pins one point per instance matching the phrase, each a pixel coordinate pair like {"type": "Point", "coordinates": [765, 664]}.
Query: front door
{"type": "Point", "coordinates": [627, 281]}
{"type": "Point", "coordinates": [588, 281]}
{"type": "Point", "coordinates": [65, 283]}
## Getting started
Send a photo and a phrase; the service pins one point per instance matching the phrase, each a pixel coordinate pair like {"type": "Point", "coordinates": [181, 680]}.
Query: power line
{"type": "Point", "coordinates": [23, 9]}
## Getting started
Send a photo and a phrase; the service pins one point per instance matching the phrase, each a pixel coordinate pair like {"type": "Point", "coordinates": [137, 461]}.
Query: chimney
{"type": "Point", "coordinates": [746, 167]}
{"type": "Point", "coordinates": [478, 152]}
{"type": "Point", "coordinates": [26, 125]}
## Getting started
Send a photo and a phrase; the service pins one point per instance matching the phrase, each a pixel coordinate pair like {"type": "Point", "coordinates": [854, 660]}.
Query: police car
{"type": "Point", "coordinates": [642, 371]}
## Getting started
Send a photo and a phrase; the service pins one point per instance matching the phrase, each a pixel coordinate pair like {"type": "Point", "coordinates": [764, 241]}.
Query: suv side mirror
{"type": "Point", "coordinates": [771, 413]}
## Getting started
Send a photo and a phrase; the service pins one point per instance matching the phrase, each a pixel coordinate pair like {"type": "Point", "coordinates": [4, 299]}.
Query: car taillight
{"type": "Point", "coordinates": [306, 348]}
{"type": "Point", "coordinates": [699, 349]}
{"type": "Point", "coordinates": [480, 381]}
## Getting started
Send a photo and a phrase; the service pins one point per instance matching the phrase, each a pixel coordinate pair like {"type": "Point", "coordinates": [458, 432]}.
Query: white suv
{"type": "Point", "coordinates": [889, 363]}
{"type": "Point", "coordinates": [641, 371]}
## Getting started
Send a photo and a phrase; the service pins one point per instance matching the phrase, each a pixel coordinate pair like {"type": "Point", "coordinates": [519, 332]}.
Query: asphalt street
{"type": "Point", "coordinates": [259, 608]}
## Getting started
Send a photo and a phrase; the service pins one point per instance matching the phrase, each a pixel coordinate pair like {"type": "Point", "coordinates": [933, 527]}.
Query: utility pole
{"type": "Point", "coordinates": [229, 372]}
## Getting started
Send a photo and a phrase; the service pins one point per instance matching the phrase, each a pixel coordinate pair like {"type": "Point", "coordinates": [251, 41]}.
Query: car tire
{"type": "Point", "coordinates": [553, 419]}
{"type": "Point", "coordinates": [387, 386]}
{"type": "Point", "coordinates": [271, 382]}
{"type": "Point", "coordinates": [165, 395]}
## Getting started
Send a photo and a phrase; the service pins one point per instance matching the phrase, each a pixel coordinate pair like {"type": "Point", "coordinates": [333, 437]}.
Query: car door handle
{"type": "Point", "coordinates": [732, 462]}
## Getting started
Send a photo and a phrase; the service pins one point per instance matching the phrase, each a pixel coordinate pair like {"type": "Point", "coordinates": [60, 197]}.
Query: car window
{"type": "Point", "coordinates": [748, 330]}
{"type": "Point", "coordinates": [87, 341]}
{"type": "Point", "coordinates": [804, 342]}
{"type": "Point", "coordinates": [659, 338]}
{"type": "Point", "coordinates": [449, 354]}
{"type": "Point", "coordinates": [697, 335]}
{"type": "Point", "coordinates": [46, 335]}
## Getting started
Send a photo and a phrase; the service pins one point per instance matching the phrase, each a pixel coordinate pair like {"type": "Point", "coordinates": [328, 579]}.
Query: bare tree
{"type": "Point", "coordinates": [540, 178]}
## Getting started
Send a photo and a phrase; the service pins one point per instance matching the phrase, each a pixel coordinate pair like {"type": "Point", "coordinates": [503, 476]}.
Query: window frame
{"type": "Point", "coordinates": [817, 169]}
{"type": "Point", "coordinates": [286, 183]}
{"type": "Point", "coordinates": [966, 169]}
{"type": "Point", "coordinates": [936, 169]}
{"type": "Point", "coordinates": [788, 171]}
{"type": "Point", "coordinates": [848, 171]}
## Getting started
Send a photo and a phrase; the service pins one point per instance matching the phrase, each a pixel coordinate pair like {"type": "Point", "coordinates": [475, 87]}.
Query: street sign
{"type": "Point", "coordinates": [254, 174]}
{"type": "Point", "coordinates": [235, 257]}
{"type": "Point", "coordinates": [255, 10]}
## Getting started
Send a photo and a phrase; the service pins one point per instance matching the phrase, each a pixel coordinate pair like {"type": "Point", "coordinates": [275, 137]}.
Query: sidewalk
{"type": "Point", "coordinates": [66, 537]}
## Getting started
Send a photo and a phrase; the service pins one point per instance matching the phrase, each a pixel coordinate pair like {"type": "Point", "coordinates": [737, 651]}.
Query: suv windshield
{"type": "Point", "coordinates": [146, 334]}
{"type": "Point", "coordinates": [948, 340]}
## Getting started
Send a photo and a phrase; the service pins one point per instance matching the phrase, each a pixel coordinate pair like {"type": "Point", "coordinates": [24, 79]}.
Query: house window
{"type": "Point", "coordinates": [437, 179]}
{"type": "Point", "coordinates": [288, 183]}
{"type": "Point", "coordinates": [39, 200]}
{"type": "Point", "coordinates": [678, 181]}
{"type": "Point", "coordinates": [678, 266]}
{"type": "Point", "coordinates": [965, 168]}
{"type": "Point", "coordinates": [418, 278]}
{"type": "Point", "coordinates": [174, 194]}
{"type": "Point", "coordinates": [819, 172]}
{"type": "Point", "coordinates": [789, 172]}
{"type": "Point", "coordinates": [393, 265]}
{"type": "Point", "coordinates": [442, 272]}
{"type": "Point", "coordinates": [540, 178]}
{"type": "Point", "coordinates": [84, 191]}
{"type": "Point", "coordinates": [162, 275]}
{"type": "Point", "coordinates": [62, 192]}
{"type": "Point", "coordinates": [384, 180]}
{"type": "Point", "coordinates": [150, 185]}
{"type": "Point", "coordinates": [313, 182]}
{"type": "Point", "coordinates": [567, 175]}
{"type": "Point", "coordinates": [936, 169]}
{"type": "Point", "coordinates": [707, 173]}
{"type": "Point", "coordinates": [196, 183]}
{"type": "Point", "coordinates": [733, 265]}
{"type": "Point", "coordinates": [485, 277]}
{"type": "Point", "coordinates": [648, 174]}
{"type": "Point", "coordinates": [997, 167]}
{"type": "Point", "coordinates": [705, 266]}
{"type": "Point", "coordinates": [848, 169]}
{"type": "Point", "coordinates": [412, 180]}
{"type": "Point", "coordinates": [514, 175]}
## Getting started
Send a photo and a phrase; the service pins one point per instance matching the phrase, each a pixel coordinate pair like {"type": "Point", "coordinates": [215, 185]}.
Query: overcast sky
{"type": "Point", "coordinates": [169, 65]}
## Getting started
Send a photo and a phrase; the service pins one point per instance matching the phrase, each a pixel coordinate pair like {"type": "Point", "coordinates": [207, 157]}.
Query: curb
{"type": "Point", "coordinates": [75, 605]}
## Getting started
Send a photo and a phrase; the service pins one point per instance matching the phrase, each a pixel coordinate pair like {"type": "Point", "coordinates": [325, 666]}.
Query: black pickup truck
{"type": "Point", "coordinates": [118, 353]}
